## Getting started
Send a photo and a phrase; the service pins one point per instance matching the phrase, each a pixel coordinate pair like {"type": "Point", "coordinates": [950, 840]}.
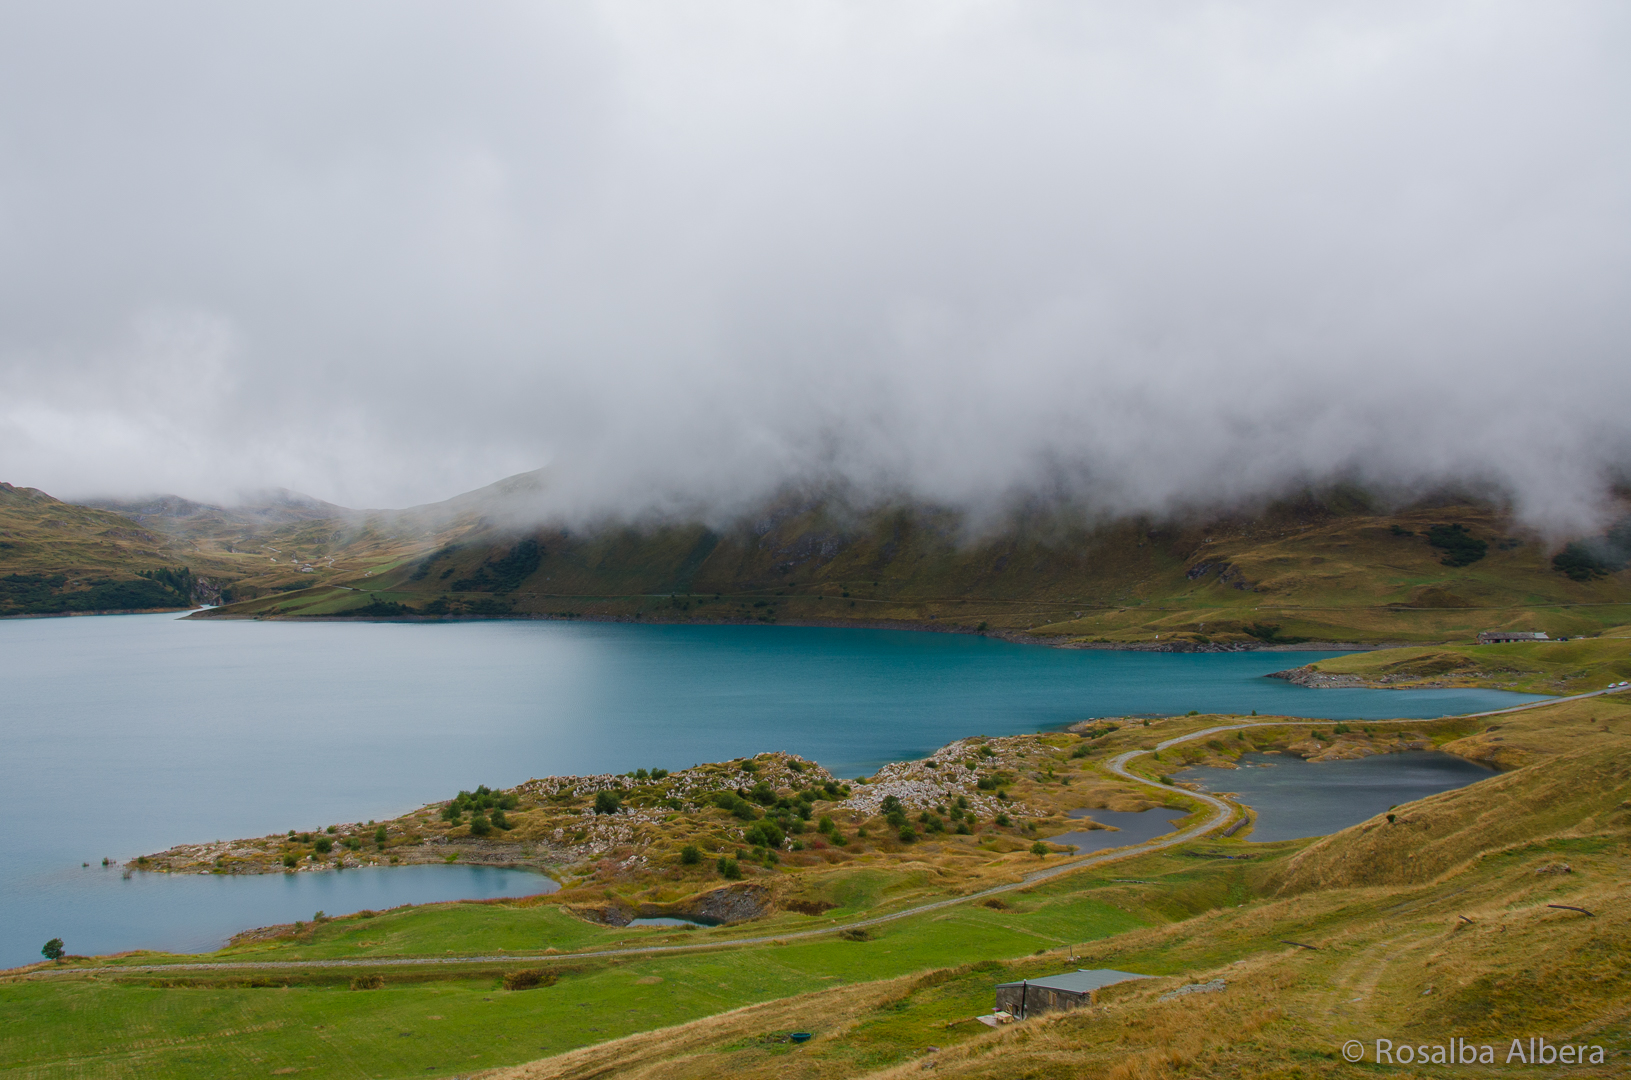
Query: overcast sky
{"type": "Point", "coordinates": [684, 252]}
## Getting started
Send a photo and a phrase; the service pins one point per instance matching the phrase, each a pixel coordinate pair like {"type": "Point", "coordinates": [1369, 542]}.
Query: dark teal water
{"type": "Point", "coordinates": [122, 735]}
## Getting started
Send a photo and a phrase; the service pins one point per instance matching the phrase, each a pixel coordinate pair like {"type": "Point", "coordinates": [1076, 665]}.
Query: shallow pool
{"type": "Point", "coordinates": [1295, 798]}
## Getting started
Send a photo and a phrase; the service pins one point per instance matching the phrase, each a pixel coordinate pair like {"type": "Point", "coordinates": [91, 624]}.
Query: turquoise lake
{"type": "Point", "coordinates": [127, 734]}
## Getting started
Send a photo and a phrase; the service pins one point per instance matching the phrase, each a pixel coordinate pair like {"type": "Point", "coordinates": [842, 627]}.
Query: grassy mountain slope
{"type": "Point", "coordinates": [56, 557]}
{"type": "Point", "coordinates": [1331, 570]}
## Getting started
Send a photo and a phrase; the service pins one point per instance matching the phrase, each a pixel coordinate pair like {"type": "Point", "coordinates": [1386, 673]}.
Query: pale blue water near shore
{"type": "Point", "coordinates": [121, 735]}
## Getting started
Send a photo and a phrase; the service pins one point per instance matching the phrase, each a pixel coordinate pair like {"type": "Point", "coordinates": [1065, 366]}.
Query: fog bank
{"type": "Point", "coordinates": [686, 253]}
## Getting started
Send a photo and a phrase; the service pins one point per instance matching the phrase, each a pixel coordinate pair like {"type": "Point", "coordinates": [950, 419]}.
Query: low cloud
{"type": "Point", "coordinates": [684, 254]}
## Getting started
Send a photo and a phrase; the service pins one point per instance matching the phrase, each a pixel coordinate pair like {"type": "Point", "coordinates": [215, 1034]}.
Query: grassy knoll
{"type": "Point", "coordinates": [1544, 667]}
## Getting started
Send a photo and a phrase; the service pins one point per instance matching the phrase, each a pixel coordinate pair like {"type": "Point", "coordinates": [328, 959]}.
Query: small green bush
{"type": "Point", "coordinates": [1002, 820]}
{"type": "Point", "coordinates": [729, 868]}
{"type": "Point", "coordinates": [690, 855]}
{"type": "Point", "coordinates": [480, 826]}
{"type": "Point", "coordinates": [324, 845]}
{"type": "Point", "coordinates": [1039, 848]}
{"type": "Point", "coordinates": [607, 802]}
{"type": "Point", "coordinates": [528, 979]}
{"type": "Point", "coordinates": [907, 834]}
{"type": "Point", "coordinates": [290, 861]}
{"type": "Point", "coordinates": [53, 949]}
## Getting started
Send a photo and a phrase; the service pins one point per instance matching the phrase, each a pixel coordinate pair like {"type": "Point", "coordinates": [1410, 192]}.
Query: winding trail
{"type": "Point", "coordinates": [1222, 812]}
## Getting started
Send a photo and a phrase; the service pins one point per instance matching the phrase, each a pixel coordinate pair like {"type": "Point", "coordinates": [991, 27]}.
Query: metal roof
{"type": "Point", "coordinates": [1081, 981]}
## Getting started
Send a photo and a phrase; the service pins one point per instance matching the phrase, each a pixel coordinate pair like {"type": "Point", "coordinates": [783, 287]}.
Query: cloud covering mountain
{"type": "Point", "coordinates": [683, 253]}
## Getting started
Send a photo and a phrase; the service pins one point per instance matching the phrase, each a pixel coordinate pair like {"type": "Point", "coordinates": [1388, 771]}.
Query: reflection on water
{"type": "Point", "coordinates": [1295, 798]}
{"type": "Point", "coordinates": [1125, 828]}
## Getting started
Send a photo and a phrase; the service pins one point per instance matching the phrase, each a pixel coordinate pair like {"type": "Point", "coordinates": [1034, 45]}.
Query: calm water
{"type": "Point", "coordinates": [1126, 827]}
{"type": "Point", "coordinates": [1295, 798]}
{"type": "Point", "coordinates": [123, 735]}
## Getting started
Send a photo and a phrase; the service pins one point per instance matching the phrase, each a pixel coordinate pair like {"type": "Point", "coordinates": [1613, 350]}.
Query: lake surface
{"type": "Point", "coordinates": [121, 735]}
{"type": "Point", "coordinates": [1295, 798]}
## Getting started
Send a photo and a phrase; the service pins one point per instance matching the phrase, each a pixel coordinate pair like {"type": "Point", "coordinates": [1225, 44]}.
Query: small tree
{"type": "Point", "coordinates": [1039, 848]}
{"type": "Point", "coordinates": [729, 868]}
{"type": "Point", "coordinates": [607, 802]}
{"type": "Point", "coordinates": [690, 855]}
{"type": "Point", "coordinates": [53, 949]}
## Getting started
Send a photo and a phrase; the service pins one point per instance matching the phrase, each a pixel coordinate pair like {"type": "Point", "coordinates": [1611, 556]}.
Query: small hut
{"type": "Point", "coordinates": [1051, 993]}
{"type": "Point", "coordinates": [1496, 637]}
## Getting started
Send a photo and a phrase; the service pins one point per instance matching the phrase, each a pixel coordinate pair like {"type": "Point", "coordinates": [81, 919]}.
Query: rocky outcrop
{"type": "Point", "coordinates": [718, 907]}
{"type": "Point", "coordinates": [1310, 676]}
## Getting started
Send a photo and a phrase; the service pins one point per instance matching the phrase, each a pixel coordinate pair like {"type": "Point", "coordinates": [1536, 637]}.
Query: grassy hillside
{"type": "Point", "coordinates": [1332, 568]}
{"type": "Point", "coordinates": [56, 558]}
{"type": "Point", "coordinates": [1541, 667]}
{"type": "Point", "coordinates": [1327, 570]}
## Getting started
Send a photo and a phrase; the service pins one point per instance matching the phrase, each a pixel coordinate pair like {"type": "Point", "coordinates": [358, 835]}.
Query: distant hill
{"type": "Point", "coordinates": [57, 558]}
{"type": "Point", "coordinates": [1330, 567]}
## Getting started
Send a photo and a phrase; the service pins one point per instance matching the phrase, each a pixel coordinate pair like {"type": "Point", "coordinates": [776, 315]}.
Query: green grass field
{"type": "Point", "coordinates": [432, 1021]}
{"type": "Point", "coordinates": [1541, 667]}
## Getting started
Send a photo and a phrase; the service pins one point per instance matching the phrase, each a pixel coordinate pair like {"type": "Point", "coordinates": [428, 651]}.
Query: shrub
{"type": "Point", "coordinates": [1580, 562]}
{"type": "Point", "coordinates": [500, 821]}
{"type": "Point", "coordinates": [826, 824]}
{"type": "Point", "coordinates": [352, 843]}
{"type": "Point", "coordinates": [658, 774]}
{"type": "Point", "coordinates": [480, 826]}
{"type": "Point", "coordinates": [607, 802]}
{"type": "Point", "coordinates": [332, 829]}
{"type": "Point", "coordinates": [907, 834]}
{"type": "Point", "coordinates": [290, 861]}
{"type": "Point", "coordinates": [765, 834]}
{"type": "Point", "coordinates": [379, 836]}
{"type": "Point", "coordinates": [528, 979]}
{"type": "Point", "coordinates": [690, 855]}
{"type": "Point", "coordinates": [729, 868]}
{"type": "Point", "coordinates": [324, 845]}
{"type": "Point", "coordinates": [963, 829]}
{"type": "Point", "coordinates": [1039, 848]}
{"type": "Point", "coordinates": [368, 982]}
{"type": "Point", "coordinates": [1002, 820]}
{"type": "Point", "coordinates": [1460, 547]}
{"type": "Point", "coordinates": [53, 949]}
{"type": "Point", "coordinates": [854, 933]}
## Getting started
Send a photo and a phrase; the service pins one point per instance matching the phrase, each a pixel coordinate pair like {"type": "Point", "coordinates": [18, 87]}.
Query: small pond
{"type": "Point", "coordinates": [1295, 798]}
{"type": "Point", "coordinates": [664, 920]}
{"type": "Point", "coordinates": [1125, 827]}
